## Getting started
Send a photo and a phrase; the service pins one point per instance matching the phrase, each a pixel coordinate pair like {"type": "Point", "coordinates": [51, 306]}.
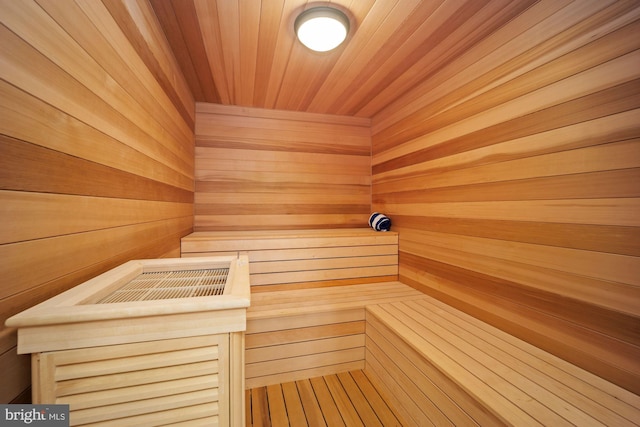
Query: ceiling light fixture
{"type": "Point", "coordinates": [322, 28]}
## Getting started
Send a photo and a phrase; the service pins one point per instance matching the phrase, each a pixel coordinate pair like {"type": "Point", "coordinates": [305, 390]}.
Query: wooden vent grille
{"type": "Point", "coordinates": [161, 285]}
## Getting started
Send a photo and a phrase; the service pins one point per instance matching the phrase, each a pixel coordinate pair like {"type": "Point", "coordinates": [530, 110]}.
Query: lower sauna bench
{"type": "Point", "coordinates": [305, 333]}
{"type": "Point", "coordinates": [443, 367]}
{"type": "Point", "coordinates": [308, 293]}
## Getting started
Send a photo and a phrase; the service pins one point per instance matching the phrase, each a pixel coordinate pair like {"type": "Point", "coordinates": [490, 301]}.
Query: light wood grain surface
{"type": "Point", "coordinates": [96, 151]}
{"type": "Point", "coordinates": [444, 367]}
{"type": "Point", "coordinates": [511, 176]}
{"type": "Point", "coordinates": [261, 169]}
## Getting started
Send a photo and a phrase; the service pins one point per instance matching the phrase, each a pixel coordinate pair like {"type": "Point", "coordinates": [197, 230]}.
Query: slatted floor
{"type": "Point", "coordinates": [346, 399]}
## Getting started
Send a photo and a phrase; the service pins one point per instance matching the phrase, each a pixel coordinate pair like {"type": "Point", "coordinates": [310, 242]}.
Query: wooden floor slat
{"type": "Point", "coordinates": [259, 407]}
{"type": "Point", "coordinates": [345, 406]}
{"type": "Point", "coordinates": [276, 409]}
{"type": "Point", "coordinates": [346, 399]}
{"type": "Point", "coordinates": [330, 411]}
{"type": "Point", "coordinates": [310, 404]}
{"type": "Point", "coordinates": [295, 410]}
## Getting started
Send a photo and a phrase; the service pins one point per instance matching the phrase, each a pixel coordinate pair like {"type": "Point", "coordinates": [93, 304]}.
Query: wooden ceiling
{"type": "Point", "coordinates": [244, 52]}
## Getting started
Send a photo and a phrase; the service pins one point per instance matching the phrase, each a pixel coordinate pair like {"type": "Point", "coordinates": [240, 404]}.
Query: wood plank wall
{"type": "Point", "coordinates": [96, 152]}
{"type": "Point", "coordinates": [259, 169]}
{"type": "Point", "coordinates": [513, 178]}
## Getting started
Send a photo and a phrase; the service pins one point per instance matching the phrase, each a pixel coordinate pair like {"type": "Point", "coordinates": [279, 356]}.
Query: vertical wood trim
{"type": "Point", "coordinates": [237, 378]}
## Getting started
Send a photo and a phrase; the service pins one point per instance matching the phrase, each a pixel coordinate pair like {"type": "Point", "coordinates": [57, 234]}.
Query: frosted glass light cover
{"type": "Point", "coordinates": [322, 28]}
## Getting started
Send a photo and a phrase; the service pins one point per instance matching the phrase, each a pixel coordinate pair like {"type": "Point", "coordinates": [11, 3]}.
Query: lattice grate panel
{"type": "Point", "coordinates": [160, 285]}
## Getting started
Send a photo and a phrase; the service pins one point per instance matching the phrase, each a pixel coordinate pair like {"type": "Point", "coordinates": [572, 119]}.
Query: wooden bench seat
{"type": "Point", "coordinates": [443, 367]}
{"type": "Point", "coordinates": [308, 293]}
{"type": "Point", "coordinates": [328, 301]}
{"type": "Point", "coordinates": [305, 333]}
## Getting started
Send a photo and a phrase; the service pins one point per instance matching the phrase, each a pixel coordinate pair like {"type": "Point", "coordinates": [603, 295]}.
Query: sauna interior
{"type": "Point", "coordinates": [501, 137]}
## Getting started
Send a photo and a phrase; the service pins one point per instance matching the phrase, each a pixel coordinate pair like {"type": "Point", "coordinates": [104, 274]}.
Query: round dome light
{"type": "Point", "coordinates": [322, 28]}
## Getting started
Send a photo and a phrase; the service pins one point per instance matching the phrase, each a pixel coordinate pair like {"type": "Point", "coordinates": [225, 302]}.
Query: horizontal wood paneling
{"type": "Point", "coordinates": [547, 31]}
{"type": "Point", "coordinates": [290, 259]}
{"type": "Point", "coordinates": [260, 169]}
{"type": "Point", "coordinates": [127, 383]}
{"type": "Point", "coordinates": [608, 239]}
{"type": "Point", "coordinates": [97, 151]}
{"type": "Point", "coordinates": [513, 182]}
{"type": "Point", "coordinates": [30, 167]}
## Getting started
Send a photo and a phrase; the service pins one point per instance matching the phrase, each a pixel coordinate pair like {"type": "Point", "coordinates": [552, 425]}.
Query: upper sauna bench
{"type": "Point", "coordinates": [289, 259]}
